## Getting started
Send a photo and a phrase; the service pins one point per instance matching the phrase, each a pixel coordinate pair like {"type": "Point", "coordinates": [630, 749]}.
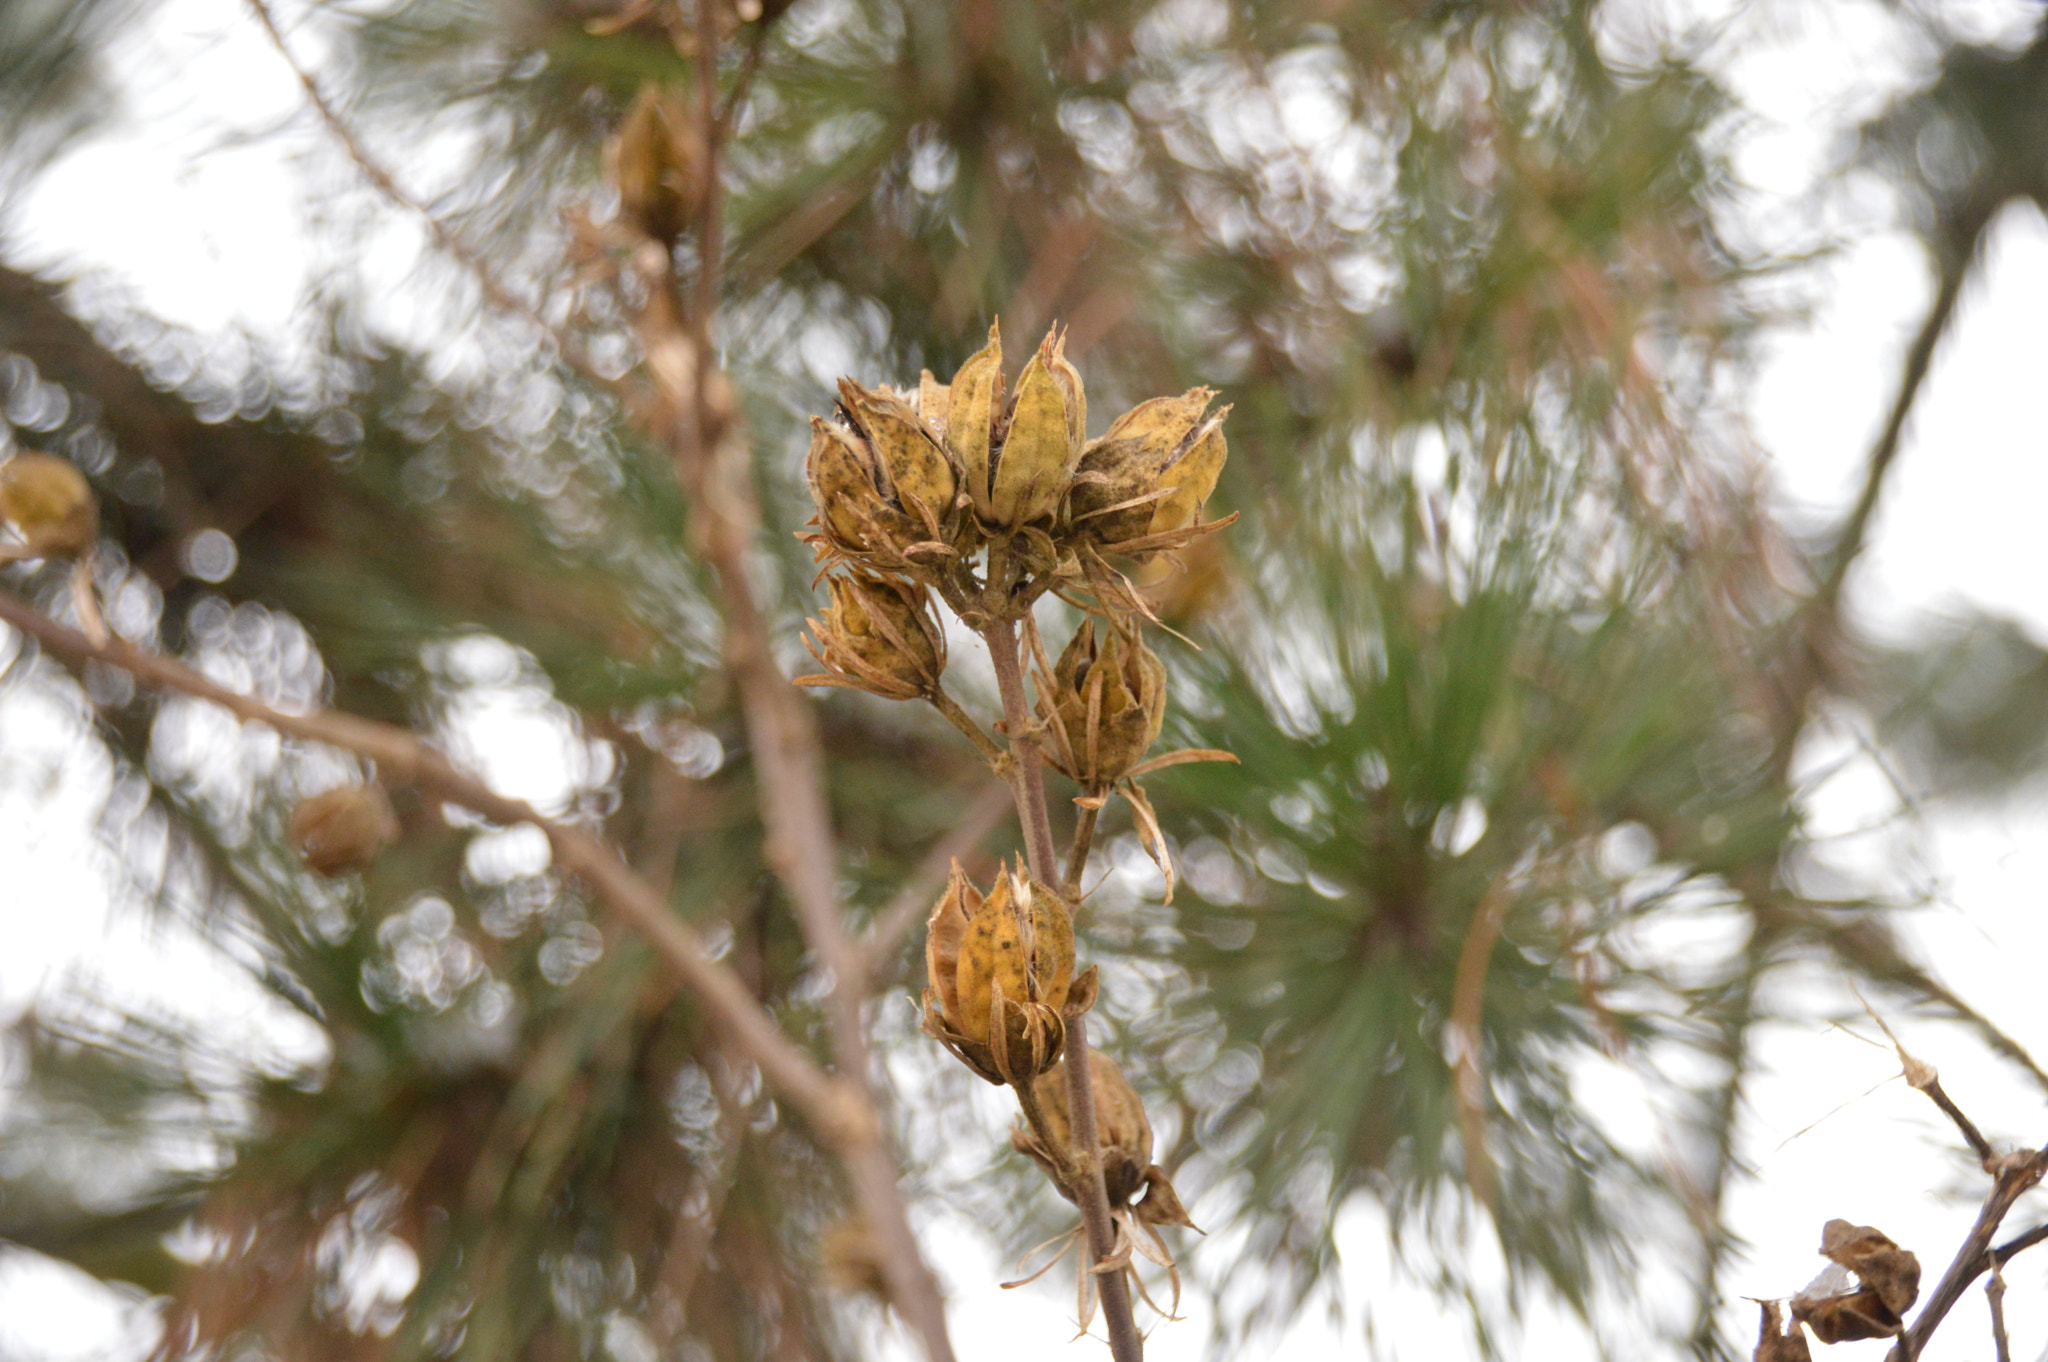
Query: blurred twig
{"type": "Point", "coordinates": [444, 237]}
{"type": "Point", "coordinates": [914, 899]}
{"type": "Point", "coordinates": [838, 1109]}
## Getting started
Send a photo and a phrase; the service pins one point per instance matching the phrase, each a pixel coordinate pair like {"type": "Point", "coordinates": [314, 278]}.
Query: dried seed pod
{"type": "Point", "coordinates": [1103, 706]}
{"type": "Point", "coordinates": [343, 829]}
{"type": "Point", "coordinates": [656, 165]}
{"type": "Point", "coordinates": [878, 635]}
{"type": "Point", "coordinates": [1873, 1306]}
{"type": "Point", "coordinates": [1150, 473]}
{"type": "Point", "coordinates": [974, 405]}
{"type": "Point", "coordinates": [1123, 1135]}
{"type": "Point", "coordinates": [49, 505]}
{"type": "Point", "coordinates": [1048, 422]}
{"type": "Point", "coordinates": [1000, 967]}
{"type": "Point", "coordinates": [886, 489]}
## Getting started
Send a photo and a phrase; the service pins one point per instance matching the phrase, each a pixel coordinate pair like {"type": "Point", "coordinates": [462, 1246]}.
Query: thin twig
{"type": "Point", "coordinates": [1994, 1295]}
{"type": "Point", "coordinates": [968, 728]}
{"type": "Point", "coordinates": [832, 1105]}
{"type": "Point", "coordinates": [1125, 1343]}
{"type": "Point", "coordinates": [695, 416]}
{"type": "Point", "coordinates": [913, 901]}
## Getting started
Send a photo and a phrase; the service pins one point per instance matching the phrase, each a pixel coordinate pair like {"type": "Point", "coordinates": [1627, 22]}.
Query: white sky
{"type": "Point", "coordinates": [1961, 522]}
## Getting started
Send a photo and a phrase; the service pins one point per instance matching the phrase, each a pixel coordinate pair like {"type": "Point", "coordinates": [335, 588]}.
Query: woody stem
{"type": "Point", "coordinates": [972, 731]}
{"type": "Point", "coordinates": [1028, 785]}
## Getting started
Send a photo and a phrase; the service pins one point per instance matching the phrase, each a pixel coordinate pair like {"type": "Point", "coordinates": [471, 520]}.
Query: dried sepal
{"type": "Point", "coordinates": [974, 406]}
{"type": "Point", "coordinates": [999, 969]}
{"type": "Point", "coordinates": [1774, 1344]}
{"type": "Point", "coordinates": [1887, 1282]}
{"type": "Point", "coordinates": [878, 635]}
{"type": "Point", "coordinates": [1047, 424]}
{"type": "Point", "coordinates": [48, 506]}
{"type": "Point", "coordinates": [343, 829]}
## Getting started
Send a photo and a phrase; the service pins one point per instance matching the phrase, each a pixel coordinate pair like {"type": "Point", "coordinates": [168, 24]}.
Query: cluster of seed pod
{"type": "Point", "coordinates": [964, 495]}
{"type": "Point", "coordinates": [906, 481]}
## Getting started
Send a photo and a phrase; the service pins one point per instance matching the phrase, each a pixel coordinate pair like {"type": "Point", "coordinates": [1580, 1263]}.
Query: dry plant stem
{"type": "Point", "coordinates": [1028, 784]}
{"type": "Point", "coordinates": [2015, 1178]}
{"type": "Point", "coordinates": [702, 433]}
{"type": "Point", "coordinates": [1994, 1296]}
{"type": "Point", "coordinates": [1973, 1137]}
{"type": "Point", "coordinates": [1027, 770]}
{"type": "Point", "coordinates": [970, 730]}
{"type": "Point", "coordinates": [830, 1104]}
{"type": "Point", "coordinates": [1078, 849]}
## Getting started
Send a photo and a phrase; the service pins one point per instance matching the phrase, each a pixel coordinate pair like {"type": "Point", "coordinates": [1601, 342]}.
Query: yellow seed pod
{"type": "Point", "coordinates": [999, 970]}
{"type": "Point", "coordinates": [840, 470]}
{"type": "Point", "coordinates": [914, 471]}
{"type": "Point", "coordinates": [343, 829]}
{"type": "Point", "coordinates": [975, 399]}
{"type": "Point", "coordinates": [1044, 440]}
{"type": "Point", "coordinates": [878, 635]}
{"type": "Point", "coordinates": [1150, 472]}
{"type": "Point", "coordinates": [49, 505]}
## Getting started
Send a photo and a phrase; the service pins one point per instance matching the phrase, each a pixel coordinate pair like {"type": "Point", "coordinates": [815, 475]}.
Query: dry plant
{"type": "Point", "coordinates": [1871, 1282]}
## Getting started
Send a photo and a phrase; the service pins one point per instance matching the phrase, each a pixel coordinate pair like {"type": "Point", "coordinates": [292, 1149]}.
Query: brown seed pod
{"type": "Point", "coordinates": [1150, 474]}
{"type": "Point", "coordinates": [343, 829]}
{"type": "Point", "coordinates": [878, 635]}
{"type": "Point", "coordinates": [999, 969]}
{"type": "Point", "coordinates": [49, 506]}
{"type": "Point", "coordinates": [1103, 706]}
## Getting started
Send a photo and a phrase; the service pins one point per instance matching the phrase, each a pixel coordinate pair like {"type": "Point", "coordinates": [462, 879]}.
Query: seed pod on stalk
{"type": "Point", "coordinates": [1000, 971]}
{"type": "Point", "coordinates": [1142, 486]}
{"type": "Point", "coordinates": [1102, 706]}
{"type": "Point", "coordinates": [878, 635]}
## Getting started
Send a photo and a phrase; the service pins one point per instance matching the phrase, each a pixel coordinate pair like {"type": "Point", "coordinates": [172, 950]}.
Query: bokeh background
{"type": "Point", "coordinates": [1562, 340]}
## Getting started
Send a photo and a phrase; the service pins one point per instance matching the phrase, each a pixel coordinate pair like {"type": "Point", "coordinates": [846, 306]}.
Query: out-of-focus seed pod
{"type": "Point", "coordinates": [999, 968]}
{"type": "Point", "coordinates": [1150, 473]}
{"type": "Point", "coordinates": [49, 506]}
{"type": "Point", "coordinates": [853, 1260]}
{"type": "Point", "coordinates": [878, 635]}
{"type": "Point", "coordinates": [1103, 706]}
{"type": "Point", "coordinates": [656, 165]}
{"type": "Point", "coordinates": [343, 829]}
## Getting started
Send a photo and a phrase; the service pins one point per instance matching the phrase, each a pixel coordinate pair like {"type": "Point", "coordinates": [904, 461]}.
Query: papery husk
{"type": "Point", "coordinates": [999, 969]}
{"type": "Point", "coordinates": [878, 635]}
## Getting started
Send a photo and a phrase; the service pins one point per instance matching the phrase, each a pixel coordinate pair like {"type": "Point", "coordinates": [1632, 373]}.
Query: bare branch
{"type": "Point", "coordinates": [833, 1106]}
